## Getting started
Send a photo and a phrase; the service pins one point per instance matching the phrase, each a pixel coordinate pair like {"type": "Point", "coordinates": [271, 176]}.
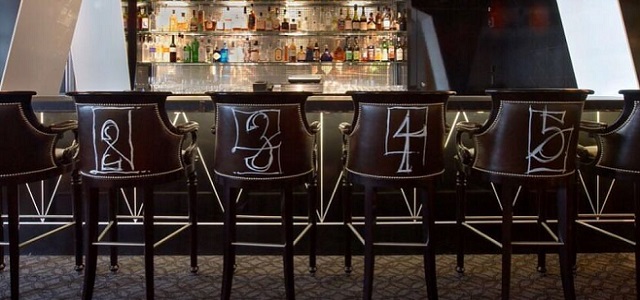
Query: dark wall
{"type": "Point", "coordinates": [8, 13]}
{"type": "Point", "coordinates": [501, 43]}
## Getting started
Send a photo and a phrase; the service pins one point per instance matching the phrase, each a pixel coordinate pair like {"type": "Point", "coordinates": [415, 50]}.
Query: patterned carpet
{"type": "Point", "coordinates": [600, 276]}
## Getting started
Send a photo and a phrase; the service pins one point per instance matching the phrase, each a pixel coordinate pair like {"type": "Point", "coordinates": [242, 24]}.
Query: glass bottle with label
{"type": "Point", "coordinates": [326, 55]}
{"type": "Point", "coordinates": [356, 50]}
{"type": "Point", "coordinates": [301, 55]}
{"type": "Point", "coordinates": [172, 50]}
{"type": "Point", "coordinates": [193, 23]}
{"type": "Point", "coordinates": [292, 52]}
{"type": "Point", "coordinates": [261, 22]}
{"type": "Point", "coordinates": [355, 21]}
{"type": "Point", "coordinates": [384, 55]}
{"type": "Point", "coordinates": [338, 54]}
{"type": "Point", "coordinates": [251, 20]}
{"type": "Point", "coordinates": [195, 50]}
{"type": "Point", "coordinates": [348, 54]}
{"type": "Point", "coordinates": [341, 21]}
{"type": "Point", "coordinates": [363, 21]}
{"type": "Point", "coordinates": [210, 24]}
{"type": "Point", "coordinates": [348, 22]}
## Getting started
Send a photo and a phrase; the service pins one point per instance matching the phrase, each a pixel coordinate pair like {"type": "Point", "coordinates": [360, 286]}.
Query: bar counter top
{"type": "Point", "coordinates": [319, 103]}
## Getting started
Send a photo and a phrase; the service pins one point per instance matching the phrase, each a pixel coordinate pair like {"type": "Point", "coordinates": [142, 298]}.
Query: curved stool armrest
{"type": "Point", "coordinates": [314, 127]}
{"type": "Point", "coordinates": [191, 128]}
{"type": "Point", "coordinates": [593, 127]}
{"type": "Point", "coordinates": [345, 128]}
{"type": "Point", "coordinates": [465, 154]}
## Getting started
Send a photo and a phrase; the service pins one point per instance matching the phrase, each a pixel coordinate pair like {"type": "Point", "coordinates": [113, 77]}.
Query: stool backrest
{"type": "Point", "coordinates": [27, 150]}
{"type": "Point", "coordinates": [126, 138]}
{"type": "Point", "coordinates": [397, 135]}
{"type": "Point", "coordinates": [531, 133]}
{"type": "Point", "coordinates": [262, 136]}
{"type": "Point", "coordinates": [619, 145]}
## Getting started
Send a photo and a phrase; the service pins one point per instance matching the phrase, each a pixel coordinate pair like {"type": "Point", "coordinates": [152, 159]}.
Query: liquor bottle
{"type": "Point", "coordinates": [371, 51]}
{"type": "Point", "coordinates": [182, 23]}
{"type": "Point", "coordinates": [348, 22]}
{"type": "Point", "coordinates": [338, 54]}
{"type": "Point", "coordinates": [145, 50]}
{"type": "Point", "coordinates": [301, 56]}
{"type": "Point", "coordinates": [356, 50]}
{"type": "Point", "coordinates": [210, 24]}
{"type": "Point", "coordinates": [308, 56]}
{"type": "Point", "coordinates": [144, 20]}
{"type": "Point", "coordinates": [326, 55]}
{"type": "Point", "coordinates": [172, 50]}
{"type": "Point", "coordinates": [316, 52]}
{"type": "Point", "coordinates": [208, 52]}
{"type": "Point", "coordinates": [260, 23]}
{"type": "Point", "coordinates": [292, 52]}
{"type": "Point", "coordinates": [201, 18]}
{"type": "Point", "coordinates": [276, 21]}
{"type": "Point", "coordinates": [152, 50]}
{"type": "Point", "coordinates": [293, 25]}
{"type": "Point", "coordinates": [348, 54]}
{"type": "Point", "coordinates": [254, 52]}
{"type": "Point", "coordinates": [371, 25]}
{"type": "Point", "coordinates": [402, 21]}
{"type": "Point", "coordinates": [400, 50]}
{"type": "Point", "coordinates": [384, 55]}
{"type": "Point", "coordinates": [355, 21]}
{"type": "Point", "coordinates": [278, 53]}
{"type": "Point", "coordinates": [363, 21]}
{"type": "Point", "coordinates": [233, 53]}
{"type": "Point", "coordinates": [341, 21]}
{"type": "Point", "coordinates": [285, 24]}
{"type": "Point", "coordinates": [251, 20]}
{"type": "Point", "coordinates": [173, 21]}
{"type": "Point", "coordinates": [392, 50]}
{"type": "Point", "coordinates": [268, 23]}
{"type": "Point", "coordinates": [139, 19]}
{"type": "Point", "coordinates": [202, 51]}
{"type": "Point", "coordinates": [195, 50]}
{"type": "Point", "coordinates": [193, 23]}
{"type": "Point", "coordinates": [216, 54]}
{"type": "Point", "coordinates": [184, 52]}
{"type": "Point", "coordinates": [378, 19]}
{"type": "Point", "coordinates": [386, 20]}
{"type": "Point", "coordinates": [363, 52]}
{"type": "Point", "coordinates": [152, 20]}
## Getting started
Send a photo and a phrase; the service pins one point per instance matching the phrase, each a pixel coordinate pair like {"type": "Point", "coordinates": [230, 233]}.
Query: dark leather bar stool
{"type": "Point", "coordinates": [529, 141]}
{"type": "Point", "coordinates": [396, 140]}
{"type": "Point", "coordinates": [263, 141]}
{"type": "Point", "coordinates": [30, 152]}
{"type": "Point", "coordinates": [127, 140]}
{"type": "Point", "coordinates": [615, 157]}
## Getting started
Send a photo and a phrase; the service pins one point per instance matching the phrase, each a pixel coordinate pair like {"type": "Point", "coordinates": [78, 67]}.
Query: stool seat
{"type": "Point", "coordinates": [32, 152]}
{"type": "Point", "coordinates": [528, 142]}
{"type": "Point", "coordinates": [396, 140]}
{"type": "Point", "coordinates": [126, 141]}
{"type": "Point", "coordinates": [263, 141]}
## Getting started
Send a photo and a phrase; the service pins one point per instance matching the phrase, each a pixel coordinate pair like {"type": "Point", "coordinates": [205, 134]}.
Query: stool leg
{"type": "Point", "coordinates": [636, 201]}
{"type": "Point", "coordinates": [113, 232]}
{"type": "Point", "coordinates": [14, 240]}
{"type": "Point", "coordinates": [369, 222]}
{"type": "Point", "coordinates": [428, 224]}
{"type": "Point", "coordinates": [313, 231]}
{"type": "Point", "coordinates": [148, 240]}
{"type": "Point", "coordinates": [193, 219]}
{"type": "Point", "coordinates": [2, 265]}
{"type": "Point", "coordinates": [229, 238]}
{"type": "Point", "coordinates": [542, 218]}
{"type": "Point", "coordinates": [345, 195]}
{"type": "Point", "coordinates": [566, 199]}
{"type": "Point", "coordinates": [76, 201]}
{"type": "Point", "coordinates": [287, 223]}
{"type": "Point", "coordinates": [461, 199]}
{"type": "Point", "coordinates": [91, 258]}
{"type": "Point", "coordinates": [506, 198]}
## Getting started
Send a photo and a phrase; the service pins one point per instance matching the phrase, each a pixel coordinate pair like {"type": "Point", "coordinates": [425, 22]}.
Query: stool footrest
{"type": "Point", "coordinates": [266, 245]}
{"type": "Point", "coordinates": [392, 244]}
{"type": "Point", "coordinates": [609, 233]}
{"type": "Point", "coordinates": [122, 244]}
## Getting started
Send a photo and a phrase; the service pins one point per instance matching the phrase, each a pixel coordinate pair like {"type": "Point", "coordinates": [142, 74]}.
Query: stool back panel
{"type": "Point", "coordinates": [397, 135]}
{"type": "Point", "coordinates": [127, 140]}
{"type": "Point", "coordinates": [262, 141]}
{"type": "Point", "coordinates": [531, 137]}
{"type": "Point", "coordinates": [619, 148]}
{"type": "Point", "coordinates": [27, 147]}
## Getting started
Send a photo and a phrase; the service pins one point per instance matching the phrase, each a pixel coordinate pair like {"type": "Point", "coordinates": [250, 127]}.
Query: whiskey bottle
{"type": "Point", "coordinates": [173, 21]}
{"type": "Point", "coordinates": [341, 21]}
{"type": "Point", "coordinates": [326, 55]}
{"type": "Point", "coordinates": [172, 50]}
{"type": "Point", "coordinates": [301, 54]}
{"type": "Point", "coordinates": [363, 21]}
{"type": "Point", "coordinates": [338, 54]}
{"type": "Point", "coordinates": [355, 22]}
{"type": "Point", "coordinates": [348, 22]}
{"type": "Point", "coordinates": [193, 23]}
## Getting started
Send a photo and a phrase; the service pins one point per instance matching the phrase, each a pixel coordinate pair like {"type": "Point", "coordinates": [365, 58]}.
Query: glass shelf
{"type": "Point", "coordinates": [287, 3]}
{"type": "Point", "coordinates": [276, 33]}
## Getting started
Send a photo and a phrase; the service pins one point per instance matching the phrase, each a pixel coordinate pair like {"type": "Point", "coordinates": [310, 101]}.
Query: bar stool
{"type": "Point", "coordinates": [30, 152]}
{"type": "Point", "coordinates": [127, 140]}
{"type": "Point", "coordinates": [615, 157]}
{"type": "Point", "coordinates": [263, 141]}
{"type": "Point", "coordinates": [396, 140]}
{"type": "Point", "coordinates": [529, 141]}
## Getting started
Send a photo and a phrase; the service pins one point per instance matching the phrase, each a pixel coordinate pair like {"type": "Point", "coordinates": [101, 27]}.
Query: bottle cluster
{"type": "Point", "coordinates": [268, 18]}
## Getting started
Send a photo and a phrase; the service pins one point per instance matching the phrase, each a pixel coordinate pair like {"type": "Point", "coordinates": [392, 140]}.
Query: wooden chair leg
{"type": "Point", "coordinates": [193, 220]}
{"type": "Point", "coordinates": [636, 201]}
{"type": "Point", "coordinates": [565, 200]}
{"type": "Point", "coordinates": [229, 238]}
{"type": "Point", "coordinates": [369, 222]}
{"type": "Point", "coordinates": [2, 265]}
{"type": "Point", "coordinates": [345, 195]}
{"type": "Point", "coordinates": [428, 224]}
{"type": "Point", "coordinates": [542, 218]}
{"type": "Point", "coordinates": [313, 231]}
{"type": "Point", "coordinates": [91, 250]}
{"type": "Point", "coordinates": [76, 202]}
{"type": "Point", "coordinates": [461, 184]}
{"type": "Point", "coordinates": [148, 241]}
{"type": "Point", "coordinates": [288, 235]}
{"type": "Point", "coordinates": [14, 239]}
{"type": "Point", "coordinates": [506, 198]}
{"type": "Point", "coordinates": [113, 232]}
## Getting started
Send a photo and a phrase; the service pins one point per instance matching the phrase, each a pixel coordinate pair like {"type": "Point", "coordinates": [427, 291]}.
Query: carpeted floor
{"type": "Point", "coordinates": [599, 276]}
